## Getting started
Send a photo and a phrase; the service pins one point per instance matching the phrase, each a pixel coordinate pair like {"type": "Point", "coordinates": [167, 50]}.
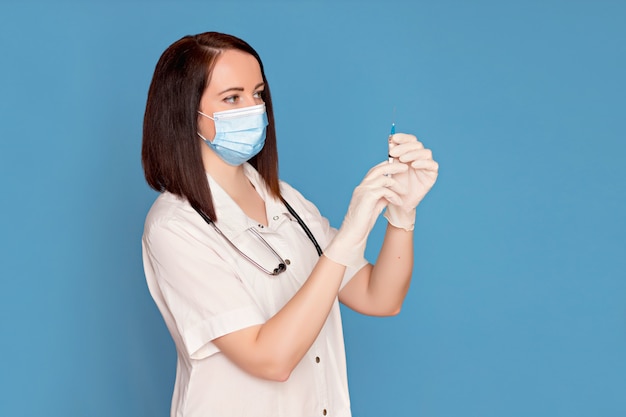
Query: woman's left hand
{"type": "Point", "coordinates": [416, 181]}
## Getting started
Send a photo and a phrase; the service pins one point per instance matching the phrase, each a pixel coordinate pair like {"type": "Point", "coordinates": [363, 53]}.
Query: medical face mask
{"type": "Point", "coordinates": [239, 133]}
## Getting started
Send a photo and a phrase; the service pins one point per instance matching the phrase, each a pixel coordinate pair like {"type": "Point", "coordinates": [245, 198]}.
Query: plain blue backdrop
{"type": "Point", "coordinates": [518, 304]}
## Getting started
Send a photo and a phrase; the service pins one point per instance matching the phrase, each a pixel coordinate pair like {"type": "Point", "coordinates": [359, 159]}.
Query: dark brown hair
{"type": "Point", "coordinates": [171, 150]}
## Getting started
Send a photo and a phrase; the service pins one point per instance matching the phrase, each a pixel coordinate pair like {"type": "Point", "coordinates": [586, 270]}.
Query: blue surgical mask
{"type": "Point", "coordinates": [239, 133]}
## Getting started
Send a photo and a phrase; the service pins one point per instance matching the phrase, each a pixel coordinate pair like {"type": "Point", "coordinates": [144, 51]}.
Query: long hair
{"type": "Point", "coordinates": [171, 151]}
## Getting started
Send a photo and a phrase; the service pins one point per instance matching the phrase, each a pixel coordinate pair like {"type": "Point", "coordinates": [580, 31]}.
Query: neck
{"type": "Point", "coordinates": [231, 178]}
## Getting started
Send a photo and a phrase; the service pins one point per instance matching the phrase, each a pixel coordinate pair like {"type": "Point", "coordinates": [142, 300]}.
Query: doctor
{"type": "Point", "coordinates": [232, 254]}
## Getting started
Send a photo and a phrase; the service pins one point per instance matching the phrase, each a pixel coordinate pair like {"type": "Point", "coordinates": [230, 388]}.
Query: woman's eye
{"type": "Point", "coordinates": [259, 95]}
{"type": "Point", "coordinates": [231, 99]}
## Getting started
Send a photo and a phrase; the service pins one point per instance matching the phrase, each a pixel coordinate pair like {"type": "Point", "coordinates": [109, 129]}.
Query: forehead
{"type": "Point", "coordinates": [234, 68]}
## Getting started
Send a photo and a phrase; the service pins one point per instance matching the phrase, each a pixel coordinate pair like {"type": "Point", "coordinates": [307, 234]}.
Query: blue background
{"type": "Point", "coordinates": [518, 302]}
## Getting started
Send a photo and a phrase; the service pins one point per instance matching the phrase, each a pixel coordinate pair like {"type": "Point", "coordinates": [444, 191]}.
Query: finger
{"type": "Point", "coordinates": [382, 197]}
{"type": "Point", "coordinates": [410, 152]}
{"type": "Point", "coordinates": [389, 183]}
{"type": "Point", "coordinates": [378, 187]}
{"type": "Point", "coordinates": [370, 198]}
{"type": "Point", "coordinates": [415, 154]}
{"type": "Point", "coordinates": [398, 150]}
{"type": "Point", "coordinates": [384, 169]}
{"type": "Point", "coordinates": [426, 165]}
{"type": "Point", "coordinates": [380, 205]}
{"type": "Point", "coordinates": [388, 195]}
{"type": "Point", "coordinates": [400, 138]}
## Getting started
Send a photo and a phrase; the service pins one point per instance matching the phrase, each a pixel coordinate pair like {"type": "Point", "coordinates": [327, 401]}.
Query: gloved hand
{"type": "Point", "coordinates": [378, 188]}
{"type": "Point", "coordinates": [416, 181]}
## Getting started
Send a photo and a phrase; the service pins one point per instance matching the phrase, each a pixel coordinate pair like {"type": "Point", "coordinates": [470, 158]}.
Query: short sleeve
{"type": "Point", "coordinates": [194, 287]}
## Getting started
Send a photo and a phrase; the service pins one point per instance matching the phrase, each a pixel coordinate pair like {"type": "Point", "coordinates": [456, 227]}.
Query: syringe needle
{"type": "Point", "coordinates": [391, 133]}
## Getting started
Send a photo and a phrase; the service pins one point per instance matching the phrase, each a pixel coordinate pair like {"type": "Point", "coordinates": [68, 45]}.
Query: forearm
{"type": "Point", "coordinates": [273, 349]}
{"type": "Point", "coordinates": [292, 331]}
{"type": "Point", "coordinates": [391, 275]}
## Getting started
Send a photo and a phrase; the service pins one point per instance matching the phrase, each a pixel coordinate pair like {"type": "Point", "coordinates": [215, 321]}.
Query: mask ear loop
{"type": "Point", "coordinates": [198, 133]}
{"type": "Point", "coordinates": [205, 115]}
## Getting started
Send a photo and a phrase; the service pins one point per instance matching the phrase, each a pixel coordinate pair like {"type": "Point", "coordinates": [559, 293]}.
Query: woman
{"type": "Point", "coordinates": [246, 272]}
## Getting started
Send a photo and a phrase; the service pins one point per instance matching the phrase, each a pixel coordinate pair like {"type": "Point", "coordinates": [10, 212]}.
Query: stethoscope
{"type": "Point", "coordinates": [282, 263]}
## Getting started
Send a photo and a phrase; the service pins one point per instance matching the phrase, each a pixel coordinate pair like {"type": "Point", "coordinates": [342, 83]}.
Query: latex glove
{"type": "Point", "coordinates": [370, 197]}
{"type": "Point", "coordinates": [416, 181]}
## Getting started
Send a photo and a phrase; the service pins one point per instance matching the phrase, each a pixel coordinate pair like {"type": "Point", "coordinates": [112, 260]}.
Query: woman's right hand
{"type": "Point", "coordinates": [273, 349]}
{"type": "Point", "coordinates": [369, 198]}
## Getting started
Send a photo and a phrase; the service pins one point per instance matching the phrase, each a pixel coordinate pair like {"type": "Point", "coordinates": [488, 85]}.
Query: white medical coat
{"type": "Point", "coordinates": [205, 289]}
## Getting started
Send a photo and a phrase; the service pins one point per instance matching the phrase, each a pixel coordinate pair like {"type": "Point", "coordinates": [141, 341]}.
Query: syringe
{"type": "Point", "coordinates": [393, 131]}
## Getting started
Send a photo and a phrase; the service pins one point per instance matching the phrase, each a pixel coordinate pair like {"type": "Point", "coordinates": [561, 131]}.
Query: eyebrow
{"type": "Point", "coordinates": [241, 88]}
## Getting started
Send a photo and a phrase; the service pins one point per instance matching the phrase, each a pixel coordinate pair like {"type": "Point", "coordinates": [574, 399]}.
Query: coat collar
{"type": "Point", "coordinates": [230, 216]}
